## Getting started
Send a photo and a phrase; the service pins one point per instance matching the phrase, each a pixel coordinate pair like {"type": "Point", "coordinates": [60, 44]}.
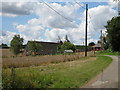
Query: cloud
{"type": "Point", "coordinates": [49, 25]}
{"type": "Point", "coordinates": [6, 36]}
{"type": "Point", "coordinates": [98, 19]}
{"type": "Point", "coordinates": [32, 30]}
{"type": "Point", "coordinates": [100, 15]}
{"type": "Point", "coordinates": [13, 9]}
{"type": "Point", "coordinates": [51, 19]}
{"type": "Point", "coordinates": [52, 35]}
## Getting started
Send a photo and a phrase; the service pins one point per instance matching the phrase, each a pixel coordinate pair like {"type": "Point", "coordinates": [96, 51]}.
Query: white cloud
{"type": "Point", "coordinates": [52, 35]}
{"type": "Point", "coordinates": [49, 25]}
{"type": "Point", "coordinates": [32, 30]}
{"type": "Point", "coordinates": [6, 36]}
{"type": "Point", "coordinates": [100, 15]}
{"type": "Point", "coordinates": [51, 19]}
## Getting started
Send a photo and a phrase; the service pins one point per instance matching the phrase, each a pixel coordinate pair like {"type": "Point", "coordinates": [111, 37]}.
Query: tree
{"type": "Point", "coordinates": [91, 44]}
{"type": "Point", "coordinates": [113, 33]}
{"type": "Point", "coordinates": [16, 44]}
{"type": "Point", "coordinates": [67, 46]}
{"type": "Point", "coordinates": [104, 42]}
{"type": "Point", "coordinates": [4, 45]}
{"type": "Point", "coordinates": [34, 47]}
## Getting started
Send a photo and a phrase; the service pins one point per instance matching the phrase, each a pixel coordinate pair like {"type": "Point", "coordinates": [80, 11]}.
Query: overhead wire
{"type": "Point", "coordinates": [88, 15]}
{"type": "Point", "coordinates": [57, 12]}
{"type": "Point", "coordinates": [80, 5]}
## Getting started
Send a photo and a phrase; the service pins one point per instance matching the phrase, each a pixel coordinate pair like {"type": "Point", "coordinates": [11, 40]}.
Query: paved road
{"type": "Point", "coordinates": [108, 78]}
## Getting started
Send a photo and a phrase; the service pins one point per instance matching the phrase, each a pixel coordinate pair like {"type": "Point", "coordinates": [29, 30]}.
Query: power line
{"type": "Point", "coordinates": [88, 13]}
{"type": "Point", "coordinates": [91, 21]}
{"type": "Point", "coordinates": [57, 12]}
{"type": "Point", "coordinates": [80, 5]}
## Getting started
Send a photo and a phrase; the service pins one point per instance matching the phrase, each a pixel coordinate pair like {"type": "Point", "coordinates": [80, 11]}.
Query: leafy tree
{"type": "Point", "coordinates": [91, 44]}
{"type": "Point", "coordinates": [34, 47]}
{"type": "Point", "coordinates": [16, 44]}
{"type": "Point", "coordinates": [113, 33]}
{"type": "Point", "coordinates": [67, 46]}
{"type": "Point", "coordinates": [4, 45]}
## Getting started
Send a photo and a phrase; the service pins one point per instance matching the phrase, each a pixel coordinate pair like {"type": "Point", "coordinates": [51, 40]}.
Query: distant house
{"type": "Point", "coordinates": [97, 47]}
{"type": "Point", "coordinates": [47, 48]}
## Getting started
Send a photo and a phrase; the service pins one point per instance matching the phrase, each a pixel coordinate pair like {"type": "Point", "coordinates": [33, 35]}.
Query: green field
{"type": "Point", "coordinates": [71, 74]}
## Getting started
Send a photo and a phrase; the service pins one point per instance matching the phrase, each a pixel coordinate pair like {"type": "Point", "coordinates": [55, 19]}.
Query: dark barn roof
{"type": "Point", "coordinates": [45, 42]}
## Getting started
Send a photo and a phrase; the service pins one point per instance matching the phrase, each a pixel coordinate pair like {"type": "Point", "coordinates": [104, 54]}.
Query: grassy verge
{"type": "Point", "coordinates": [71, 74]}
{"type": "Point", "coordinates": [107, 53]}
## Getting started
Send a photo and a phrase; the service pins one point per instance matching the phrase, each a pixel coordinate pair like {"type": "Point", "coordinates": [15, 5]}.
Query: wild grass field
{"type": "Point", "coordinates": [70, 74]}
{"type": "Point", "coordinates": [9, 61]}
{"type": "Point", "coordinates": [51, 71]}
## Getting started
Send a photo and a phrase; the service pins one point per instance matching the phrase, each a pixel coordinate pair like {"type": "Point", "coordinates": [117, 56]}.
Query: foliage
{"type": "Point", "coordinates": [91, 44]}
{"type": "Point", "coordinates": [16, 44]}
{"type": "Point", "coordinates": [59, 48]}
{"type": "Point", "coordinates": [63, 75]}
{"type": "Point", "coordinates": [68, 46]}
{"type": "Point", "coordinates": [33, 46]}
{"type": "Point", "coordinates": [82, 48]}
{"type": "Point", "coordinates": [107, 52]}
{"type": "Point", "coordinates": [104, 42]}
{"type": "Point", "coordinates": [113, 33]}
{"type": "Point", "coordinates": [4, 45]}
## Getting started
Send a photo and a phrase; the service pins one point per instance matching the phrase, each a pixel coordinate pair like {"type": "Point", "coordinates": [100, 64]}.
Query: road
{"type": "Point", "coordinates": [108, 78]}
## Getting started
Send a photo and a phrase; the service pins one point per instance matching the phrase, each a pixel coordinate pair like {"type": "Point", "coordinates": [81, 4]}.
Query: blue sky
{"type": "Point", "coordinates": [36, 21]}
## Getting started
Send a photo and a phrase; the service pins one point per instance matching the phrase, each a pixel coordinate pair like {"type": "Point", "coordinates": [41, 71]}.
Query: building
{"type": "Point", "coordinates": [59, 40]}
{"type": "Point", "coordinates": [66, 39]}
{"type": "Point", "coordinates": [97, 47]}
{"type": "Point", "coordinates": [46, 48]}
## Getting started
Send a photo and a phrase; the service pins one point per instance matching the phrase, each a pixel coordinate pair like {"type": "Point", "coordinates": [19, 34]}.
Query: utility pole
{"type": "Point", "coordinates": [86, 30]}
{"type": "Point", "coordinates": [101, 38]}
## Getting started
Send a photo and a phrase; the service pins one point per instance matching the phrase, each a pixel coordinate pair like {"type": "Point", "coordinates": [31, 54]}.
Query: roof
{"type": "Point", "coordinates": [45, 42]}
{"type": "Point", "coordinates": [97, 45]}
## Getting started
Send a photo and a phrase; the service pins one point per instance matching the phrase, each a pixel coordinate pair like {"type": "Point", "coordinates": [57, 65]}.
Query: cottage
{"type": "Point", "coordinates": [47, 48]}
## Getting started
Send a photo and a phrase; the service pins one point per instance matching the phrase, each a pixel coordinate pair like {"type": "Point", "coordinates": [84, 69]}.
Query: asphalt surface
{"type": "Point", "coordinates": [108, 78]}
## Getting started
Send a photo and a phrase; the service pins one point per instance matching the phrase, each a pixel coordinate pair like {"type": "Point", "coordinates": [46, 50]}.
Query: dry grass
{"type": "Point", "coordinates": [25, 61]}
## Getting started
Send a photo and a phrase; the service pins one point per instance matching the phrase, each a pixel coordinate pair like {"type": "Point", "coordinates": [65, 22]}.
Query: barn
{"type": "Point", "coordinates": [47, 48]}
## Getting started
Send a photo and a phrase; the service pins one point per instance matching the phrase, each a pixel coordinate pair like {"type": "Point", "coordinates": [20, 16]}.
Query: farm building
{"type": "Point", "coordinates": [97, 47]}
{"type": "Point", "coordinates": [46, 48]}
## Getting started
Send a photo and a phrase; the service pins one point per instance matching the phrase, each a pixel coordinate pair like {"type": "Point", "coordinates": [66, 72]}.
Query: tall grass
{"type": "Point", "coordinates": [27, 61]}
{"type": "Point", "coordinates": [63, 75]}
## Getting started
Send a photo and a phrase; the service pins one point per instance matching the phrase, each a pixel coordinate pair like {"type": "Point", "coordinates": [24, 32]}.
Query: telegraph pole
{"type": "Point", "coordinates": [86, 30]}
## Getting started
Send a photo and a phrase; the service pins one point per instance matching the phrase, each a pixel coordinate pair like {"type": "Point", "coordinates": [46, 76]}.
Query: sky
{"type": "Point", "coordinates": [37, 21]}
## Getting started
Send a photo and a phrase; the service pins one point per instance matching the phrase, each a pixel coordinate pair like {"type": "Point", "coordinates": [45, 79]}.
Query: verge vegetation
{"type": "Point", "coordinates": [107, 52]}
{"type": "Point", "coordinates": [71, 74]}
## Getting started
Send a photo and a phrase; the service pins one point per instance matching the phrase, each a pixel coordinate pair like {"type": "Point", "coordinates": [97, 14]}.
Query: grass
{"type": "Point", "coordinates": [71, 74]}
{"type": "Point", "coordinates": [107, 53]}
{"type": "Point", "coordinates": [26, 61]}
